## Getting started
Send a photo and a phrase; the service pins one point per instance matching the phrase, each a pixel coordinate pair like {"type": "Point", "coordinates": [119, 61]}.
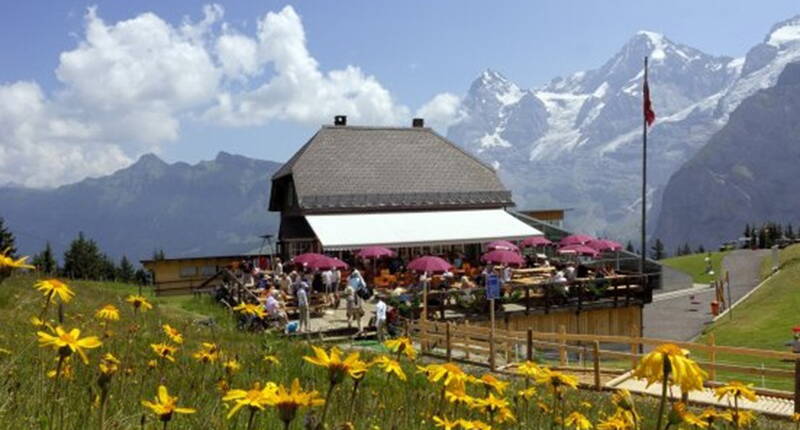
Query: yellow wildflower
{"type": "Point", "coordinates": [673, 360]}
{"type": "Point", "coordinates": [255, 398]}
{"type": "Point", "coordinates": [446, 424]}
{"type": "Point", "coordinates": [68, 342]}
{"type": "Point", "coordinates": [6, 261]}
{"type": "Point", "coordinates": [173, 333]}
{"type": "Point", "coordinates": [251, 309]}
{"type": "Point", "coordinates": [577, 421]}
{"type": "Point", "coordinates": [164, 351]}
{"type": "Point", "coordinates": [337, 368]}
{"type": "Point", "coordinates": [138, 302]}
{"type": "Point", "coordinates": [735, 389]}
{"type": "Point", "coordinates": [107, 312]}
{"type": "Point", "coordinates": [165, 405]}
{"type": "Point", "coordinates": [288, 401]}
{"type": "Point", "coordinates": [390, 366]}
{"type": "Point", "coordinates": [54, 288]}
{"type": "Point", "coordinates": [402, 345]}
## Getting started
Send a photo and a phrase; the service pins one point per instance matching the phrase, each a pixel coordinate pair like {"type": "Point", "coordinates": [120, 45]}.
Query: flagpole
{"type": "Point", "coordinates": [644, 180]}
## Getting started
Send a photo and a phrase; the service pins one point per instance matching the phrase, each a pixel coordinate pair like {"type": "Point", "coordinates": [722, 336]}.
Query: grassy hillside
{"type": "Point", "coordinates": [766, 318]}
{"type": "Point", "coordinates": [33, 400]}
{"type": "Point", "coordinates": [694, 265]}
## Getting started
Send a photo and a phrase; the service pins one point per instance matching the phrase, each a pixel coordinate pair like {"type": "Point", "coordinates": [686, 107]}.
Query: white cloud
{"type": "Point", "coordinates": [441, 111]}
{"type": "Point", "coordinates": [127, 86]}
{"type": "Point", "coordinates": [299, 90]}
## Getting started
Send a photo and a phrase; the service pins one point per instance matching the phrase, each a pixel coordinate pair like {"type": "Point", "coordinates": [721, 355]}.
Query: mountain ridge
{"type": "Point", "coordinates": [580, 146]}
{"type": "Point", "coordinates": [217, 206]}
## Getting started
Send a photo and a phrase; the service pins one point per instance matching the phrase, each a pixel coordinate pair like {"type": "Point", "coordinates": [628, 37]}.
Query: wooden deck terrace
{"type": "Point", "coordinates": [537, 296]}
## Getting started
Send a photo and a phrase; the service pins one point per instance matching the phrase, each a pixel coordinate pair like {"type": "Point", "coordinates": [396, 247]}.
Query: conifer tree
{"type": "Point", "coordinates": [45, 261]}
{"type": "Point", "coordinates": [125, 273]}
{"type": "Point", "coordinates": [83, 260]}
{"type": "Point", "coordinates": [7, 240]}
{"type": "Point", "coordinates": [657, 251]}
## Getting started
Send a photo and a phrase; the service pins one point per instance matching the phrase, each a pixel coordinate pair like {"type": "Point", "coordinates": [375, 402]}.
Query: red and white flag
{"type": "Point", "coordinates": [649, 114]}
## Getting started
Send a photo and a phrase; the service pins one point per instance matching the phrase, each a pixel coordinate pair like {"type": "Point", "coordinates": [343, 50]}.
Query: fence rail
{"type": "Point", "coordinates": [481, 345]}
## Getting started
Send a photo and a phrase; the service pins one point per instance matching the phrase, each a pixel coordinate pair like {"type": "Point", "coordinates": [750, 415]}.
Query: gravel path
{"type": "Point", "coordinates": [683, 315]}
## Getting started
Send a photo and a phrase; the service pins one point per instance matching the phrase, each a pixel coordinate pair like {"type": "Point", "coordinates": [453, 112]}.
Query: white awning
{"type": "Point", "coordinates": [406, 229]}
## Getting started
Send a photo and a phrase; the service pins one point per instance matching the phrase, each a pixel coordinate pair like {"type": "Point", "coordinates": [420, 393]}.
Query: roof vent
{"type": "Point", "coordinates": [340, 120]}
{"type": "Point", "coordinates": [418, 123]}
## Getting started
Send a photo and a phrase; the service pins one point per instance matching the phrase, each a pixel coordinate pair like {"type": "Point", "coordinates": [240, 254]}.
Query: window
{"type": "Point", "coordinates": [208, 270]}
{"type": "Point", "coordinates": [188, 271]}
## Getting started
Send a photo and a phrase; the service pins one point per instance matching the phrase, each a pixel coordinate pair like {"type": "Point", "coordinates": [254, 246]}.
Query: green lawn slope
{"type": "Point", "coordinates": [694, 265]}
{"type": "Point", "coordinates": [765, 319]}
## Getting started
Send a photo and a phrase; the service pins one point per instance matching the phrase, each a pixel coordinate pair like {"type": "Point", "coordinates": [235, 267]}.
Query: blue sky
{"type": "Point", "coordinates": [412, 50]}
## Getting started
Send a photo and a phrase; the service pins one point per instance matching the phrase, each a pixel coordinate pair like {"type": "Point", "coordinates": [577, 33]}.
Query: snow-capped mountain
{"type": "Point", "coordinates": [576, 142]}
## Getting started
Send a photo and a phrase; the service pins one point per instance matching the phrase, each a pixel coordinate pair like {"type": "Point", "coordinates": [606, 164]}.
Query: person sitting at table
{"type": "Point", "coordinates": [275, 309]}
{"type": "Point", "coordinates": [570, 273]}
{"type": "Point", "coordinates": [582, 271]}
{"type": "Point", "coordinates": [506, 274]}
{"type": "Point", "coordinates": [466, 282]}
{"type": "Point", "coordinates": [558, 287]}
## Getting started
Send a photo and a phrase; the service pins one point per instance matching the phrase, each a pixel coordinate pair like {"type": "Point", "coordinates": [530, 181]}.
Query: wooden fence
{"type": "Point", "coordinates": [542, 296]}
{"type": "Point", "coordinates": [483, 346]}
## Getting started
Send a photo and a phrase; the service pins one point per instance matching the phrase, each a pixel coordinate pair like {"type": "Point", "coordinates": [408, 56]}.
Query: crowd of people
{"type": "Point", "coordinates": [290, 293]}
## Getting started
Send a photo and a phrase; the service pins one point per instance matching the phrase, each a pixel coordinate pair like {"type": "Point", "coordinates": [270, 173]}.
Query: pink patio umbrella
{"type": "Point", "coordinates": [502, 256]}
{"type": "Point", "coordinates": [429, 264]}
{"type": "Point", "coordinates": [316, 261]}
{"type": "Point", "coordinates": [376, 252]}
{"type": "Point", "coordinates": [579, 250]}
{"type": "Point", "coordinates": [307, 258]}
{"type": "Point", "coordinates": [603, 245]}
{"type": "Point", "coordinates": [326, 263]}
{"type": "Point", "coordinates": [502, 245]}
{"type": "Point", "coordinates": [535, 241]}
{"type": "Point", "coordinates": [575, 239]}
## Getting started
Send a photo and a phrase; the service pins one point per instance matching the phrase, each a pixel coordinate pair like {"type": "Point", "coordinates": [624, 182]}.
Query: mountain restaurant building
{"type": "Point", "coordinates": [405, 188]}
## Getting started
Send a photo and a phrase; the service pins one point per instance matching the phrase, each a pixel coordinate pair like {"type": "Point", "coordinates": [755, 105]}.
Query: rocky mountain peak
{"type": "Point", "coordinates": [784, 33]}
{"type": "Point", "coordinates": [494, 88]}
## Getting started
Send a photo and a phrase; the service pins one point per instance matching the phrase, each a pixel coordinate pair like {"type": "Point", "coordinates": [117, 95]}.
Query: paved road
{"type": "Point", "coordinates": [682, 315]}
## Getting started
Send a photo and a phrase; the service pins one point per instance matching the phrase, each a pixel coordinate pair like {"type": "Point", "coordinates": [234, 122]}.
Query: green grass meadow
{"type": "Point", "coordinates": [694, 265]}
{"type": "Point", "coordinates": [32, 400]}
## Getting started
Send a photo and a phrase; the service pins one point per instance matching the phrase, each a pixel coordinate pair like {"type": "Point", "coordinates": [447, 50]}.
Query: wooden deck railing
{"type": "Point", "coordinates": [541, 296]}
{"type": "Point", "coordinates": [480, 345]}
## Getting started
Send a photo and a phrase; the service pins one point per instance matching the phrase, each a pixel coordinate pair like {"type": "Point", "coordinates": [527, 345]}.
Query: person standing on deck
{"type": "Point", "coordinates": [380, 319]}
{"type": "Point", "coordinates": [354, 310]}
{"type": "Point", "coordinates": [327, 281]}
{"type": "Point", "coordinates": [278, 268]}
{"type": "Point", "coordinates": [337, 278]}
{"type": "Point", "coordinates": [303, 311]}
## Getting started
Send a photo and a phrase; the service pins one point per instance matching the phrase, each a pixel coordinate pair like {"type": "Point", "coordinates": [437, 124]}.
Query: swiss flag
{"type": "Point", "coordinates": [649, 114]}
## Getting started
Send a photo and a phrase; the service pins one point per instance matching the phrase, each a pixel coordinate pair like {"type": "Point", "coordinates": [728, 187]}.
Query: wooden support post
{"type": "Point", "coordinates": [527, 300]}
{"type": "Point", "coordinates": [492, 366]}
{"type": "Point", "coordinates": [447, 342]}
{"type": "Point", "coordinates": [797, 385]}
{"type": "Point", "coordinates": [529, 350]}
{"type": "Point", "coordinates": [466, 340]}
{"type": "Point", "coordinates": [425, 302]}
{"type": "Point", "coordinates": [712, 357]}
{"type": "Point", "coordinates": [634, 345]}
{"type": "Point", "coordinates": [562, 340]}
{"type": "Point", "coordinates": [596, 361]}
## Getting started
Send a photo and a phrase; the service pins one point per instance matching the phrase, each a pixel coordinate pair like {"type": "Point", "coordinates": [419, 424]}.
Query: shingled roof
{"type": "Point", "coordinates": [346, 167]}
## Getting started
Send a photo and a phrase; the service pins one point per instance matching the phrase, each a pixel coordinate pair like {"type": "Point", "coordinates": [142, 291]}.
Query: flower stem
{"type": "Point", "coordinates": [250, 419]}
{"type": "Point", "coordinates": [663, 401]}
{"type": "Point", "coordinates": [327, 403]}
{"type": "Point", "coordinates": [353, 399]}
